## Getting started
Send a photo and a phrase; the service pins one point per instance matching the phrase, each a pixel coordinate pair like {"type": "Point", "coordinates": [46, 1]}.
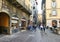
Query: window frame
{"type": "Point", "coordinates": [54, 13]}
{"type": "Point", "coordinates": [53, 4]}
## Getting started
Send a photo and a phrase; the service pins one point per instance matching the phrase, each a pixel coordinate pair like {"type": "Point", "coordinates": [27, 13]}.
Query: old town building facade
{"type": "Point", "coordinates": [53, 13]}
{"type": "Point", "coordinates": [12, 14]}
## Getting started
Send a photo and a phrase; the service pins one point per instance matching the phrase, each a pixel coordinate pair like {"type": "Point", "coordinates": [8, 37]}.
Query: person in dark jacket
{"type": "Point", "coordinates": [34, 26]}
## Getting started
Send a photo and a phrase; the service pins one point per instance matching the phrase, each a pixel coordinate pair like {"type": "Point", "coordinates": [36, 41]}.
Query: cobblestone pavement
{"type": "Point", "coordinates": [29, 36]}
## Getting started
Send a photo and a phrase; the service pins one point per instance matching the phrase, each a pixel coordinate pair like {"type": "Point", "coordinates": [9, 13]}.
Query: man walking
{"type": "Point", "coordinates": [41, 27]}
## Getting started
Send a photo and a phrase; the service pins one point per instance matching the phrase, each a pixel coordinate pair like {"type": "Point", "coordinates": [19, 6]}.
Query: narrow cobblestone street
{"type": "Point", "coordinates": [28, 36]}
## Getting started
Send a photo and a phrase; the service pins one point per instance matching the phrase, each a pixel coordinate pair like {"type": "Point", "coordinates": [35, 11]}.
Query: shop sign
{"type": "Point", "coordinates": [14, 21]}
{"type": "Point", "coordinates": [15, 18]}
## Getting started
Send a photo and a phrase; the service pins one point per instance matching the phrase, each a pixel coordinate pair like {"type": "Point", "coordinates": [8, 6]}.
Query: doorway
{"type": "Point", "coordinates": [54, 23]}
{"type": "Point", "coordinates": [4, 22]}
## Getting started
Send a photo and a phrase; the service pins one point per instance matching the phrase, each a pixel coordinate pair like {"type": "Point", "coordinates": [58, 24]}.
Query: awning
{"type": "Point", "coordinates": [23, 20]}
{"type": "Point", "coordinates": [14, 21]}
{"type": "Point", "coordinates": [15, 18]}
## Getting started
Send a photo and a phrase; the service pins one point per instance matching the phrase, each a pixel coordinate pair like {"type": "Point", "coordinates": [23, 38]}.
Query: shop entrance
{"type": "Point", "coordinates": [4, 23]}
{"type": "Point", "coordinates": [54, 23]}
{"type": "Point", "coordinates": [23, 23]}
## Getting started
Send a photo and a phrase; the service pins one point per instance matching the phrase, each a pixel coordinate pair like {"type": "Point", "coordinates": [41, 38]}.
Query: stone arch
{"type": "Point", "coordinates": [4, 22]}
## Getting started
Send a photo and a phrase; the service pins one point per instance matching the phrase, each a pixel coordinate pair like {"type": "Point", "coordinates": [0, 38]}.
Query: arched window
{"type": "Point", "coordinates": [53, 4]}
{"type": "Point", "coordinates": [54, 23]}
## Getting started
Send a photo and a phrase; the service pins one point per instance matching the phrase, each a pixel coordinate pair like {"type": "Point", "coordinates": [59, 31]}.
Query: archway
{"type": "Point", "coordinates": [4, 22]}
{"type": "Point", "coordinates": [23, 23]}
{"type": "Point", "coordinates": [54, 23]}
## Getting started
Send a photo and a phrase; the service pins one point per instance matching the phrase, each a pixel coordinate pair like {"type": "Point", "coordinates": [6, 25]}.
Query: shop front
{"type": "Point", "coordinates": [15, 24]}
{"type": "Point", "coordinates": [23, 24]}
{"type": "Point", "coordinates": [54, 23]}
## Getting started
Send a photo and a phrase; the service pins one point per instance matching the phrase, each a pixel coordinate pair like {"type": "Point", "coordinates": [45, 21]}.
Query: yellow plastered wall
{"type": "Point", "coordinates": [40, 17]}
{"type": "Point", "coordinates": [49, 16]}
{"type": "Point", "coordinates": [48, 4]}
{"type": "Point", "coordinates": [58, 3]}
{"type": "Point", "coordinates": [28, 4]}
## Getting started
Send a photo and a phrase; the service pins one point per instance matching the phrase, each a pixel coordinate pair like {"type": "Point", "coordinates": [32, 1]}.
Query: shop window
{"type": "Point", "coordinates": [23, 23]}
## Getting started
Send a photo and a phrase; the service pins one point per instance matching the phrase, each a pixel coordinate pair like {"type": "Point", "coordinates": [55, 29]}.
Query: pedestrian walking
{"type": "Point", "coordinates": [34, 26]}
{"type": "Point", "coordinates": [44, 29]}
{"type": "Point", "coordinates": [41, 27]}
{"type": "Point", "coordinates": [30, 26]}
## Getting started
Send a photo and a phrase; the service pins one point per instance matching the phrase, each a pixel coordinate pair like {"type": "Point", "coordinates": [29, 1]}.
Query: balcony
{"type": "Point", "coordinates": [21, 5]}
